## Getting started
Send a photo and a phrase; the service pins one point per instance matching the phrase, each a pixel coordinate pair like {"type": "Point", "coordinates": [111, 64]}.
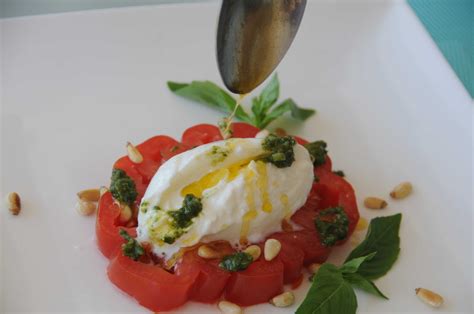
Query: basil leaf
{"type": "Point", "coordinates": [365, 284]}
{"type": "Point", "coordinates": [353, 265]}
{"type": "Point", "coordinates": [329, 294]}
{"type": "Point", "coordinates": [287, 106]}
{"type": "Point", "coordinates": [382, 237]}
{"type": "Point", "coordinates": [266, 99]}
{"type": "Point", "coordinates": [208, 93]}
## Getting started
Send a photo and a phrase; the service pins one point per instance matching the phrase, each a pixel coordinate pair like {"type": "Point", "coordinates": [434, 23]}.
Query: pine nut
{"type": "Point", "coordinates": [375, 203]}
{"type": "Point", "coordinates": [280, 132]}
{"type": "Point", "coordinates": [361, 224]}
{"type": "Point", "coordinates": [14, 203]}
{"type": "Point", "coordinates": [207, 252]}
{"type": "Point", "coordinates": [272, 248]}
{"type": "Point", "coordinates": [283, 300]}
{"type": "Point", "coordinates": [254, 251]}
{"type": "Point", "coordinates": [91, 195]}
{"type": "Point", "coordinates": [262, 134]}
{"type": "Point", "coordinates": [134, 154]}
{"type": "Point", "coordinates": [402, 190]}
{"type": "Point", "coordinates": [313, 268]}
{"type": "Point", "coordinates": [429, 297]}
{"type": "Point", "coordinates": [103, 190]}
{"type": "Point", "coordinates": [125, 213]}
{"type": "Point", "coordinates": [85, 208]}
{"type": "Point", "coordinates": [227, 307]}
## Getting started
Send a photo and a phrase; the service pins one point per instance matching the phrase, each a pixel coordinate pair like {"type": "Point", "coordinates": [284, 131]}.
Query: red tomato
{"type": "Point", "coordinates": [201, 134]}
{"type": "Point", "coordinates": [338, 192]}
{"type": "Point", "coordinates": [107, 229]}
{"type": "Point", "coordinates": [152, 286]}
{"type": "Point", "coordinates": [211, 280]}
{"type": "Point", "coordinates": [292, 259]}
{"type": "Point", "coordinates": [306, 240]}
{"type": "Point", "coordinates": [300, 140]}
{"type": "Point", "coordinates": [244, 130]}
{"type": "Point", "coordinates": [260, 282]}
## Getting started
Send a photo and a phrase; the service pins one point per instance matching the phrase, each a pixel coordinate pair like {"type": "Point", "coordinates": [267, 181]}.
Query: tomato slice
{"type": "Point", "coordinates": [201, 134]}
{"type": "Point", "coordinates": [244, 130]}
{"type": "Point", "coordinates": [152, 286]}
{"type": "Point", "coordinates": [292, 258]}
{"type": "Point", "coordinates": [260, 282]}
{"type": "Point", "coordinates": [336, 191]}
{"type": "Point", "coordinates": [306, 240]}
{"type": "Point", "coordinates": [211, 280]}
{"type": "Point", "coordinates": [107, 230]}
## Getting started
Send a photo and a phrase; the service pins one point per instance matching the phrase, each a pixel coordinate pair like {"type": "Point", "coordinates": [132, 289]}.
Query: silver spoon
{"type": "Point", "coordinates": [252, 38]}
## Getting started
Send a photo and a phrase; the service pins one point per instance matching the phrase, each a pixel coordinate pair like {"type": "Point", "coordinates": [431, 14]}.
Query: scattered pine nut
{"type": "Point", "coordinates": [429, 297]}
{"type": "Point", "coordinates": [134, 154]}
{"type": "Point", "coordinates": [283, 300]}
{"type": "Point", "coordinates": [14, 203]}
{"type": "Point", "coordinates": [254, 251]}
{"type": "Point", "coordinates": [125, 213]}
{"type": "Point", "coordinates": [207, 252]}
{"type": "Point", "coordinates": [271, 249]}
{"type": "Point", "coordinates": [227, 307]}
{"type": "Point", "coordinates": [262, 134]}
{"type": "Point", "coordinates": [103, 190]}
{"type": "Point", "coordinates": [361, 224]}
{"type": "Point", "coordinates": [375, 203]}
{"type": "Point", "coordinates": [91, 195]}
{"type": "Point", "coordinates": [85, 208]}
{"type": "Point", "coordinates": [280, 132]}
{"type": "Point", "coordinates": [313, 268]}
{"type": "Point", "coordinates": [402, 190]}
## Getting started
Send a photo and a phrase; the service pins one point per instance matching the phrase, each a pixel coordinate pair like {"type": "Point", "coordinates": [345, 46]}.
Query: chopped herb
{"type": "Point", "coordinates": [339, 173]}
{"type": "Point", "coordinates": [122, 187]}
{"type": "Point", "coordinates": [131, 248]}
{"type": "Point", "coordinates": [317, 151]}
{"type": "Point", "coordinates": [174, 148]}
{"type": "Point", "coordinates": [280, 150]}
{"type": "Point", "coordinates": [225, 127]}
{"type": "Point", "coordinates": [218, 154]}
{"type": "Point", "coordinates": [156, 207]}
{"type": "Point", "coordinates": [144, 206]}
{"type": "Point", "coordinates": [332, 224]}
{"type": "Point", "coordinates": [236, 262]}
{"type": "Point", "coordinates": [182, 218]}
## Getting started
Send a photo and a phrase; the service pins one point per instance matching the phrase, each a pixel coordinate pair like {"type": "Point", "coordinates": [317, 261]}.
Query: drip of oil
{"type": "Point", "coordinates": [249, 199]}
{"type": "Point", "coordinates": [211, 179]}
{"type": "Point", "coordinates": [286, 206]}
{"type": "Point", "coordinates": [262, 183]}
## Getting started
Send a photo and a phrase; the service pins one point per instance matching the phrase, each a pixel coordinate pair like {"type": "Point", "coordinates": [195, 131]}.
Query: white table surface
{"type": "Point", "coordinates": [76, 86]}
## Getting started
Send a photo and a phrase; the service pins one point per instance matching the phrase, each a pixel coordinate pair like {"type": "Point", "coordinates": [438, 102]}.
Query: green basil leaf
{"type": "Point", "coordinates": [208, 93]}
{"type": "Point", "coordinates": [287, 106]}
{"type": "Point", "coordinates": [329, 294]}
{"type": "Point", "coordinates": [383, 238]}
{"type": "Point", "coordinates": [267, 98]}
{"type": "Point", "coordinates": [360, 282]}
{"type": "Point", "coordinates": [353, 265]}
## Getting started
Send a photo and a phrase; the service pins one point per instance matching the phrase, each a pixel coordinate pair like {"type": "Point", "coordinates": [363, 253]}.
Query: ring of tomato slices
{"type": "Point", "coordinates": [202, 280]}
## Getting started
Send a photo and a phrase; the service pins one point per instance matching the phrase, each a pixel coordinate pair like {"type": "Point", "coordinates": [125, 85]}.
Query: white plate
{"type": "Point", "coordinates": [77, 86]}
